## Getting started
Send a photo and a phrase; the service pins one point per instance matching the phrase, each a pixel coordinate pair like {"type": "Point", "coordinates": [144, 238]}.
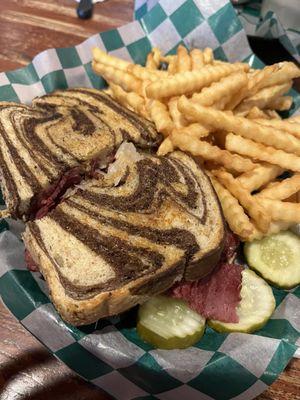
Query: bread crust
{"type": "Point", "coordinates": [82, 312]}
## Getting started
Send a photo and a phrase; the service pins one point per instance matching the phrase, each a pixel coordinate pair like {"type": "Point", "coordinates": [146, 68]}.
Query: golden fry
{"type": "Point", "coordinates": [256, 113]}
{"type": "Point", "coordinates": [196, 131]}
{"type": "Point", "coordinates": [282, 103]}
{"type": "Point", "coordinates": [233, 101]}
{"type": "Point", "coordinates": [208, 55]}
{"type": "Point", "coordinates": [274, 75]}
{"type": "Point", "coordinates": [272, 114]}
{"type": "Point", "coordinates": [160, 116]}
{"type": "Point", "coordinates": [239, 125]}
{"type": "Point", "coordinates": [131, 99]}
{"type": "Point", "coordinates": [281, 190]}
{"type": "Point", "coordinates": [197, 59]}
{"type": "Point", "coordinates": [218, 90]}
{"type": "Point", "coordinates": [190, 81]}
{"type": "Point", "coordinates": [264, 97]}
{"type": "Point", "coordinates": [235, 215]}
{"type": "Point", "coordinates": [254, 209]}
{"type": "Point", "coordinates": [183, 59]}
{"type": "Point", "coordinates": [153, 59]}
{"type": "Point", "coordinates": [172, 67]}
{"type": "Point", "coordinates": [222, 103]}
{"type": "Point", "coordinates": [145, 74]}
{"type": "Point", "coordinates": [258, 151]}
{"type": "Point", "coordinates": [101, 57]}
{"type": "Point", "coordinates": [259, 176]}
{"type": "Point", "coordinates": [176, 115]}
{"type": "Point", "coordinates": [124, 79]}
{"type": "Point", "coordinates": [209, 152]}
{"type": "Point", "coordinates": [150, 63]}
{"type": "Point", "coordinates": [282, 210]}
{"type": "Point", "coordinates": [165, 147]}
{"type": "Point", "coordinates": [257, 78]}
{"type": "Point", "coordinates": [282, 124]}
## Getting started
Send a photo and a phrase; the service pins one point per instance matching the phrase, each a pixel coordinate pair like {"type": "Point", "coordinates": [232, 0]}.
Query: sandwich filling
{"type": "Point", "coordinates": [217, 295]}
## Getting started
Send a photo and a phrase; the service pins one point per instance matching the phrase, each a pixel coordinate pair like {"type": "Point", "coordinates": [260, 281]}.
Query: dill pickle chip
{"type": "Point", "coordinates": [276, 258]}
{"type": "Point", "coordinates": [169, 323]}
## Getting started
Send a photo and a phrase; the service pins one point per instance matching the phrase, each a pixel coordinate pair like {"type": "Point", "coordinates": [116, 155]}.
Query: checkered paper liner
{"type": "Point", "coordinates": [255, 23]}
{"type": "Point", "coordinates": [268, 25]}
{"type": "Point", "coordinates": [109, 353]}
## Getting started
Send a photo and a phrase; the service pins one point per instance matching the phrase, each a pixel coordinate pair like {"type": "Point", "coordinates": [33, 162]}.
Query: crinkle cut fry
{"type": "Point", "coordinates": [183, 59]}
{"type": "Point", "coordinates": [131, 99]}
{"type": "Point", "coordinates": [259, 176]}
{"type": "Point", "coordinates": [255, 113]}
{"type": "Point", "coordinates": [281, 103]}
{"type": "Point", "coordinates": [101, 57]}
{"type": "Point", "coordinates": [176, 115]}
{"type": "Point", "coordinates": [145, 73]}
{"type": "Point", "coordinates": [239, 125]}
{"type": "Point", "coordinates": [282, 210]}
{"type": "Point", "coordinates": [258, 151]}
{"type": "Point", "coordinates": [254, 209]}
{"type": "Point", "coordinates": [284, 125]}
{"type": "Point", "coordinates": [234, 213]}
{"type": "Point", "coordinates": [194, 130]}
{"type": "Point", "coordinates": [217, 90]}
{"type": "Point", "coordinates": [127, 81]}
{"type": "Point", "coordinates": [190, 81]}
{"type": "Point", "coordinates": [153, 59]}
{"type": "Point", "coordinates": [281, 190]}
{"type": "Point", "coordinates": [165, 147]}
{"type": "Point", "coordinates": [208, 55]}
{"type": "Point", "coordinates": [209, 152]}
{"type": "Point", "coordinates": [197, 59]}
{"type": "Point", "coordinates": [275, 74]}
{"type": "Point", "coordinates": [160, 116]}
{"type": "Point", "coordinates": [264, 97]}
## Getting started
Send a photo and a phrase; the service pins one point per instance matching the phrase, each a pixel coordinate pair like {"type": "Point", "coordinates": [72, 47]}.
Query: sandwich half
{"type": "Point", "coordinates": [49, 146]}
{"type": "Point", "coordinates": [127, 236]}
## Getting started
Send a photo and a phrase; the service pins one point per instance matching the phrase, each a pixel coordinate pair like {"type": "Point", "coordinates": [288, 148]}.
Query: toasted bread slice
{"type": "Point", "coordinates": [61, 131]}
{"type": "Point", "coordinates": [113, 244]}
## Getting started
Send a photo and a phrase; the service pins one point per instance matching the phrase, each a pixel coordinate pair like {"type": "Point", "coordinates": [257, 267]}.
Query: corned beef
{"type": "Point", "coordinates": [217, 295]}
{"type": "Point", "coordinates": [49, 198]}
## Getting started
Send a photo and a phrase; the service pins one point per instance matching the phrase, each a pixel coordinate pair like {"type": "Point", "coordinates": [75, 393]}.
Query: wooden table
{"type": "Point", "coordinates": [27, 370]}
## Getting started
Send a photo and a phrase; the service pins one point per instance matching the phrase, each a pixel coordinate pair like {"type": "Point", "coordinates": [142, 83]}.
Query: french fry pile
{"type": "Point", "coordinates": [226, 116]}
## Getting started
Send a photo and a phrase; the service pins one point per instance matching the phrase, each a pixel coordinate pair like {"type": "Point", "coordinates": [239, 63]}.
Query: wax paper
{"type": "Point", "coordinates": [109, 353]}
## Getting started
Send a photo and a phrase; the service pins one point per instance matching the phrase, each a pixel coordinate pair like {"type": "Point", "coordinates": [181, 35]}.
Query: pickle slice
{"type": "Point", "coordinates": [256, 306]}
{"type": "Point", "coordinates": [276, 258]}
{"type": "Point", "coordinates": [169, 323]}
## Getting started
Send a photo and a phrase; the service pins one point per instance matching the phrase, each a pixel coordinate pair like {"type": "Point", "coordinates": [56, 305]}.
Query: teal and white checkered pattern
{"type": "Point", "coordinates": [109, 353]}
{"type": "Point", "coordinates": [268, 26]}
